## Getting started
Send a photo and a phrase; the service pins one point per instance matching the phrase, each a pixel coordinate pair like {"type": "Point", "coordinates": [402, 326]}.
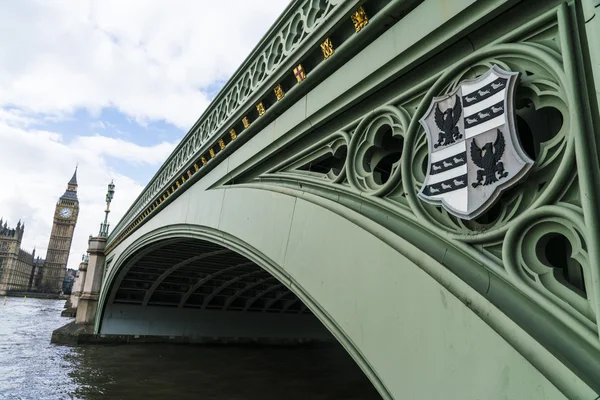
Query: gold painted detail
{"type": "Point", "coordinates": [360, 19]}
{"type": "Point", "coordinates": [211, 152]}
{"type": "Point", "coordinates": [196, 167]}
{"type": "Point", "coordinates": [221, 144]}
{"type": "Point", "coordinates": [260, 108]}
{"type": "Point", "coordinates": [299, 73]}
{"type": "Point", "coordinates": [203, 159]}
{"type": "Point", "coordinates": [177, 183]}
{"type": "Point", "coordinates": [246, 122]}
{"type": "Point", "coordinates": [183, 178]}
{"type": "Point", "coordinates": [279, 93]}
{"type": "Point", "coordinates": [327, 48]}
{"type": "Point", "coordinates": [232, 134]}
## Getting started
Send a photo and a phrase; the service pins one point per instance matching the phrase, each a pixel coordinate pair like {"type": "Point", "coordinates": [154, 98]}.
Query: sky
{"type": "Point", "coordinates": [111, 86]}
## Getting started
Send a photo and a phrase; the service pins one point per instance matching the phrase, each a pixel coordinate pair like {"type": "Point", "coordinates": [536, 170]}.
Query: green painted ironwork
{"type": "Point", "coordinates": [299, 26]}
{"type": "Point", "coordinates": [535, 254]}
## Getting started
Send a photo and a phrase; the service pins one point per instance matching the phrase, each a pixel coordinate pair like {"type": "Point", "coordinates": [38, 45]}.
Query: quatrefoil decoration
{"type": "Point", "coordinates": [376, 150]}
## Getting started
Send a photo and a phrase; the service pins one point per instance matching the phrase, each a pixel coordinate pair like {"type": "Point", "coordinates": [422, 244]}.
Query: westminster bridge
{"type": "Point", "coordinates": [304, 202]}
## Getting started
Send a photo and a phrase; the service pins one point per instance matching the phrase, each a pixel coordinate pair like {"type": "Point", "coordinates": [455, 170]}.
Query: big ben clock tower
{"type": "Point", "coordinates": [65, 218]}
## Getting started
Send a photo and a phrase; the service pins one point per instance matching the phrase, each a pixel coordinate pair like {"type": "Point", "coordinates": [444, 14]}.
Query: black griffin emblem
{"type": "Point", "coordinates": [446, 122]}
{"type": "Point", "coordinates": [488, 159]}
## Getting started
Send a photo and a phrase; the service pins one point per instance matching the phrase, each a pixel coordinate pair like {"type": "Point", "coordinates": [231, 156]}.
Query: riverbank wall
{"type": "Point", "coordinates": [35, 295]}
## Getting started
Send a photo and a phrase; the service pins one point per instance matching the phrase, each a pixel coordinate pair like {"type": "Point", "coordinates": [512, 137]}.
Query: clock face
{"type": "Point", "coordinates": [65, 212]}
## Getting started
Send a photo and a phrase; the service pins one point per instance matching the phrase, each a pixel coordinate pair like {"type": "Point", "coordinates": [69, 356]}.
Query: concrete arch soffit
{"type": "Point", "coordinates": [226, 284]}
{"type": "Point", "coordinates": [131, 263]}
{"type": "Point", "coordinates": [289, 304]}
{"type": "Point", "coordinates": [261, 294]}
{"type": "Point", "coordinates": [273, 301]}
{"type": "Point", "coordinates": [243, 290]}
{"type": "Point", "coordinates": [208, 278]}
{"type": "Point", "coordinates": [174, 268]}
{"type": "Point", "coordinates": [178, 232]}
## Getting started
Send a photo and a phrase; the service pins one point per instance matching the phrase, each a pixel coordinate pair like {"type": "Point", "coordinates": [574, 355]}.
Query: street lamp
{"type": "Point", "coordinates": [109, 196]}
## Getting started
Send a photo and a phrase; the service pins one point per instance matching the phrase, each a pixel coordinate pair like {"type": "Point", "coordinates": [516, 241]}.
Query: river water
{"type": "Point", "coordinates": [32, 368]}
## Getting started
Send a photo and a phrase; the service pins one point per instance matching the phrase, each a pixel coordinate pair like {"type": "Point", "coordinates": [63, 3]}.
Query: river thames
{"type": "Point", "coordinates": [32, 368]}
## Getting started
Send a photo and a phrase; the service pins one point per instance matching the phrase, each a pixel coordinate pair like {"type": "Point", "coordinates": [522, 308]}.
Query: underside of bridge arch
{"type": "Point", "coordinates": [200, 291]}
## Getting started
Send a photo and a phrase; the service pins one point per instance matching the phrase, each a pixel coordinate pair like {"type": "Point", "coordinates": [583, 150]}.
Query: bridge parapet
{"type": "Point", "coordinates": [263, 86]}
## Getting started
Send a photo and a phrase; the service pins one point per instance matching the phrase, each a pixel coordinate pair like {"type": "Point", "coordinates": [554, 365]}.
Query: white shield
{"type": "Point", "coordinates": [474, 152]}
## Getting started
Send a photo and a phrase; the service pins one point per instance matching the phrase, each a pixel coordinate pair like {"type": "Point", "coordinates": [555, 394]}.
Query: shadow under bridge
{"type": "Point", "coordinates": [198, 291]}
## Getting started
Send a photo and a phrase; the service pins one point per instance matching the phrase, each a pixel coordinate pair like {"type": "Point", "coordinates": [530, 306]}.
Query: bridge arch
{"type": "Point", "coordinates": [375, 299]}
{"type": "Point", "coordinates": [163, 237]}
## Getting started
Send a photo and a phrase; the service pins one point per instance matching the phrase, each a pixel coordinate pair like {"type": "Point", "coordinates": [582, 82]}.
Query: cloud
{"type": "Point", "coordinates": [110, 147]}
{"type": "Point", "coordinates": [150, 59]}
{"type": "Point", "coordinates": [36, 166]}
{"type": "Point", "coordinates": [98, 125]}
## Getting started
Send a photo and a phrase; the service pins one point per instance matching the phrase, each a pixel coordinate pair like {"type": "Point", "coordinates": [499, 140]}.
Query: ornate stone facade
{"type": "Point", "coordinates": [17, 266]}
{"type": "Point", "coordinates": [21, 271]}
{"type": "Point", "coordinates": [65, 218]}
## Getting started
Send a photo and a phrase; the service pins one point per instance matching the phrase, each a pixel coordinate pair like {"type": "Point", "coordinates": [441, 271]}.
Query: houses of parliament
{"type": "Point", "coordinates": [21, 271]}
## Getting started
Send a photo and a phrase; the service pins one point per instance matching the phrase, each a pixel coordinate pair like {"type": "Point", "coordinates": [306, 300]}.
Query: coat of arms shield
{"type": "Point", "coordinates": [474, 152]}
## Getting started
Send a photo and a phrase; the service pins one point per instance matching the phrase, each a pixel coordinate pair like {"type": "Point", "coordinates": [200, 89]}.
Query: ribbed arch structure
{"type": "Point", "coordinates": [197, 274]}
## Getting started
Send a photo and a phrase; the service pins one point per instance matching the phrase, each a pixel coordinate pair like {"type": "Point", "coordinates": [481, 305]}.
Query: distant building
{"type": "Point", "coordinates": [16, 264]}
{"type": "Point", "coordinates": [21, 271]}
{"type": "Point", "coordinates": [65, 217]}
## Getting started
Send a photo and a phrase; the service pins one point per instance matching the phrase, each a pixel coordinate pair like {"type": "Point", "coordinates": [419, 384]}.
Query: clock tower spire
{"type": "Point", "coordinates": [61, 236]}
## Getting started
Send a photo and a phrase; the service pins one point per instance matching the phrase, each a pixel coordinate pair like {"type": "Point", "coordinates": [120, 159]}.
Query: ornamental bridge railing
{"type": "Point", "coordinates": [294, 56]}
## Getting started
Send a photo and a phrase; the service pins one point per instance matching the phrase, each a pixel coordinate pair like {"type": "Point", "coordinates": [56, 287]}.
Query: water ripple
{"type": "Point", "coordinates": [32, 368]}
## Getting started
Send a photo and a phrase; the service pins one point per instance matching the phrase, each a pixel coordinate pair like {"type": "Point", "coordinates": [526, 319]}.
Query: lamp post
{"type": "Point", "coordinates": [109, 196]}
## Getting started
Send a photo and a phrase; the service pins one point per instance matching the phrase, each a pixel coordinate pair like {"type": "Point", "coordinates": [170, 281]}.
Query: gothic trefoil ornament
{"type": "Point", "coordinates": [474, 152]}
